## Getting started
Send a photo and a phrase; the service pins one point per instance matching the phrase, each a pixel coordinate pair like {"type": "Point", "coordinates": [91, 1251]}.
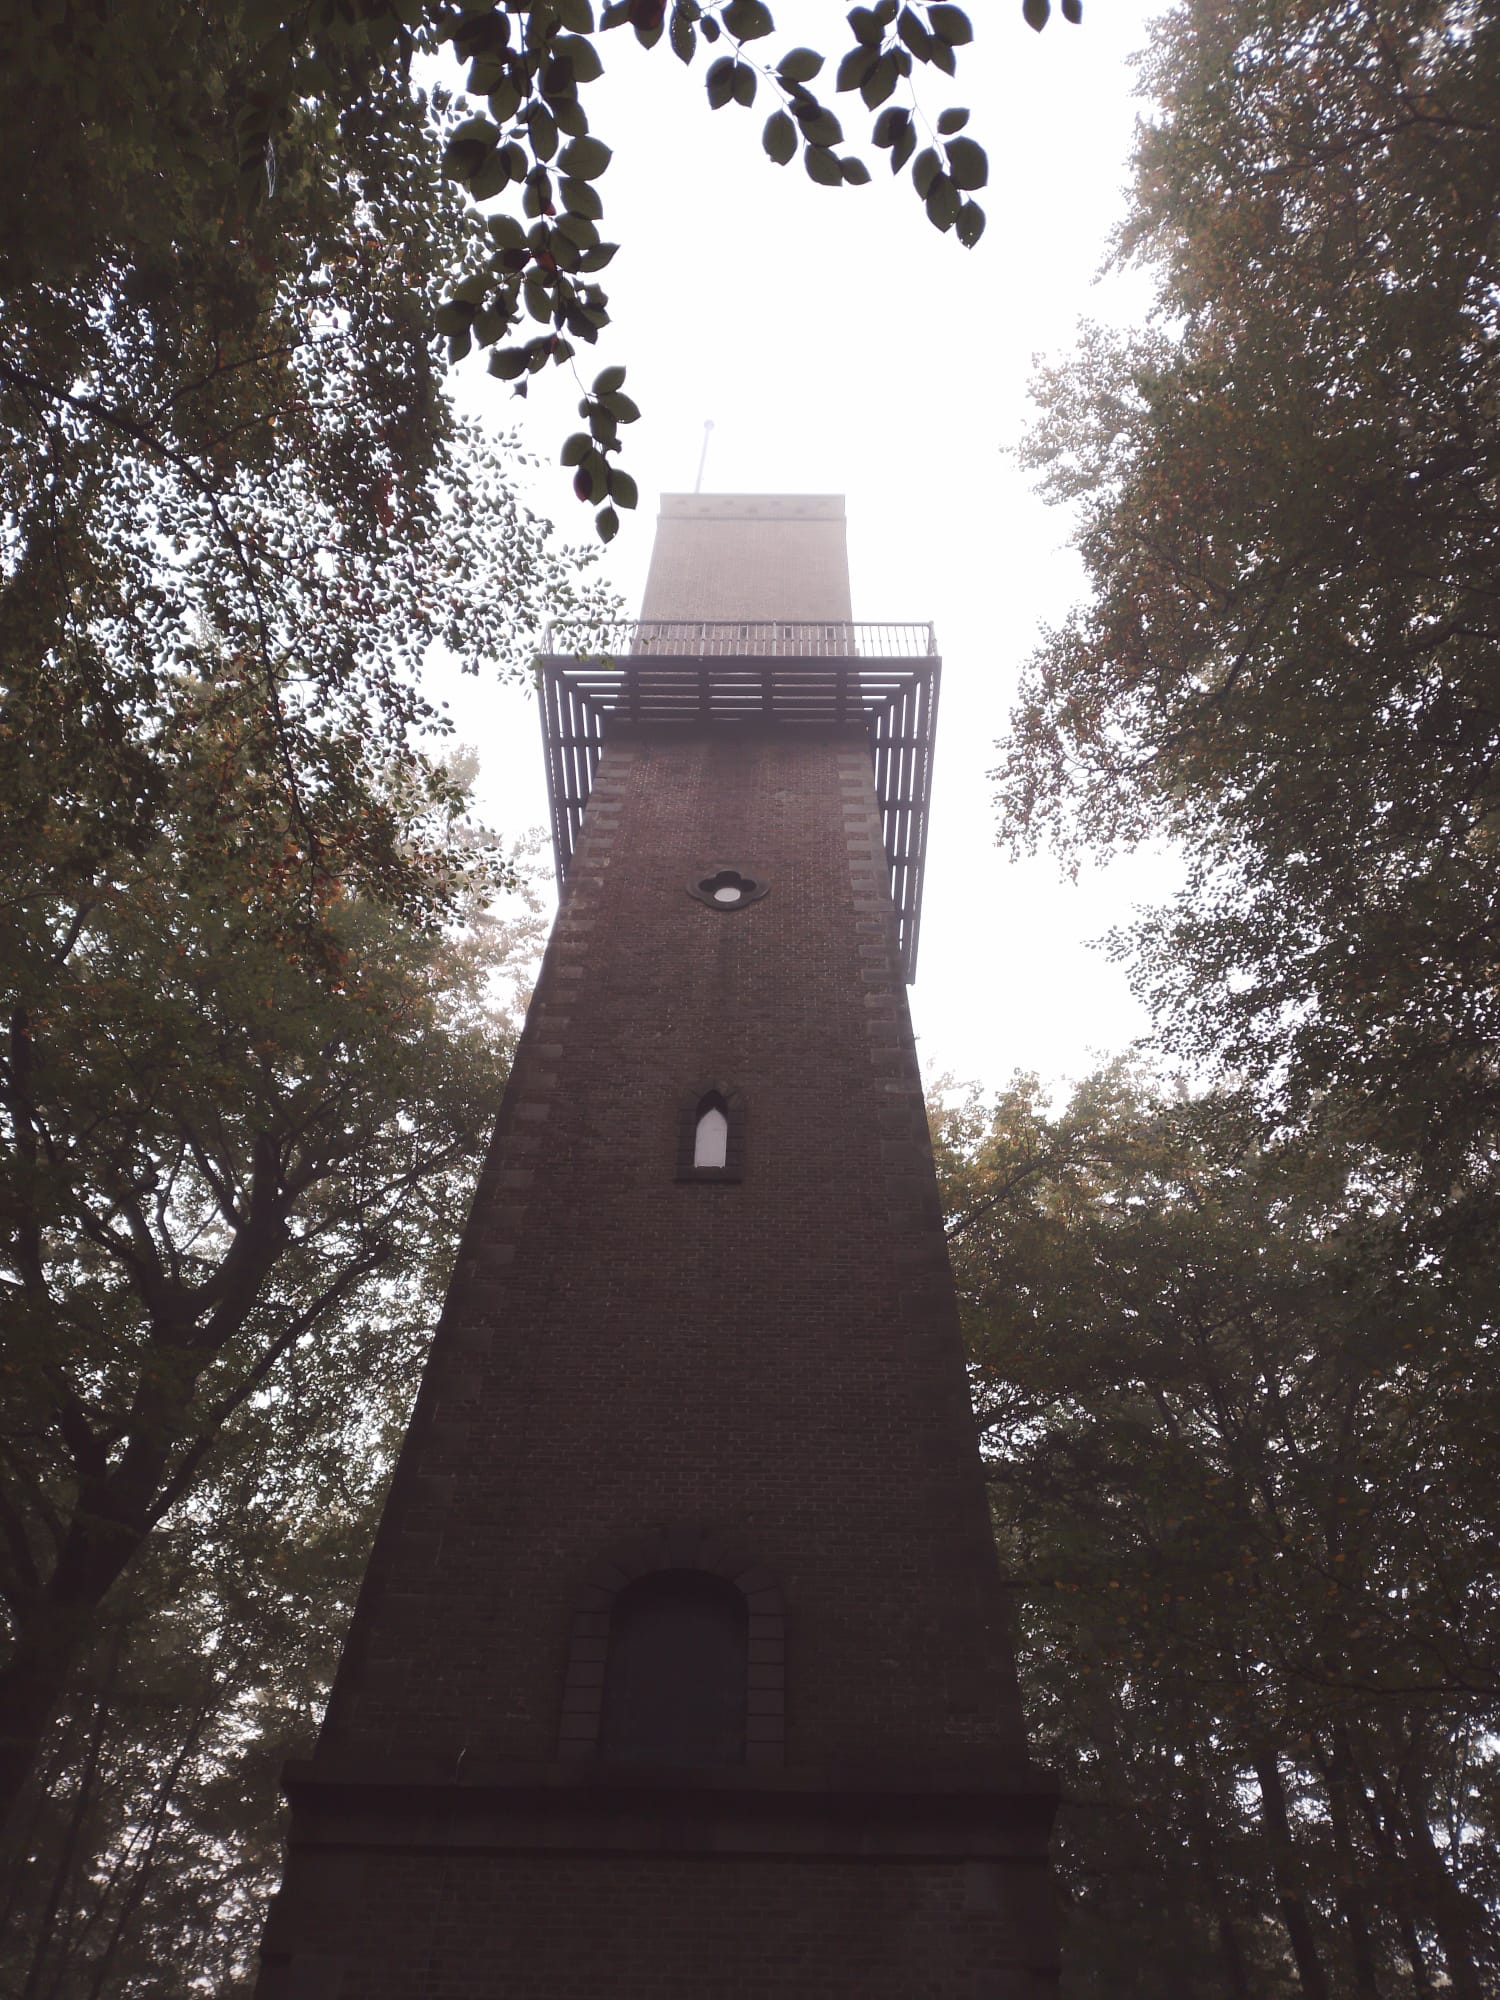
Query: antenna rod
{"type": "Point", "coordinates": [708, 425]}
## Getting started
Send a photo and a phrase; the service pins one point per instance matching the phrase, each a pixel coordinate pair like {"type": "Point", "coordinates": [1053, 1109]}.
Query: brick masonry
{"type": "Point", "coordinates": [765, 1370]}
{"type": "Point", "coordinates": [789, 558]}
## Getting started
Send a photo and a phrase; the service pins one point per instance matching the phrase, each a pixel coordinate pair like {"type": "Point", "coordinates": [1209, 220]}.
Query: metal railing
{"type": "Point", "coordinates": [730, 638]}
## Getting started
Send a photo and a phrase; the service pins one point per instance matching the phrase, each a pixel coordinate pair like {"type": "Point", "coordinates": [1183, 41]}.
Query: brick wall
{"type": "Point", "coordinates": [765, 1371]}
{"type": "Point", "coordinates": [750, 555]}
{"type": "Point", "coordinates": [776, 1358]}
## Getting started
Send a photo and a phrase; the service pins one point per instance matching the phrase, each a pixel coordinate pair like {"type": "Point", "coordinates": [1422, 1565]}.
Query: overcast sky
{"type": "Point", "coordinates": [840, 344]}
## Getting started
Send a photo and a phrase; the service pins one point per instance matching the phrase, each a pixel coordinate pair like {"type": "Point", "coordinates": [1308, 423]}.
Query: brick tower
{"type": "Point", "coordinates": [681, 1669]}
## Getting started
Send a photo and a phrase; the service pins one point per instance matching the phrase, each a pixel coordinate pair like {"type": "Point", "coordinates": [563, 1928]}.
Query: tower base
{"type": "Point", "coordinates": [561, 1884]}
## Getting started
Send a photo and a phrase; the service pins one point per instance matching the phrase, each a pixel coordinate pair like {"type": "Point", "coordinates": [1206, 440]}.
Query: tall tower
{"type": "Point", "coordinates": [681, 1669]}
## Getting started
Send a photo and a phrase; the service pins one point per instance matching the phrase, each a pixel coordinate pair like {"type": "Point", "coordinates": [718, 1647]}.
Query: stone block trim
{"type": "Point", "coordinates": [686, 1546]}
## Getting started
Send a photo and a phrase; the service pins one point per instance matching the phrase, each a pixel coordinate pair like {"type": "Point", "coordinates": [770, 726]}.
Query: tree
{"type": "Point", "coordinates": [210, 110]}
{"type": "Point", "coordinates": [228, 426]}
{"type": "Point", "coordinates": [1288, 507]}
{"type": "Point", "coordinates": [244, 1066]}
{"type": "Point", "coordinates": [1231, 1415]}
{"type": "Point", "coordinates": [241, 1106]}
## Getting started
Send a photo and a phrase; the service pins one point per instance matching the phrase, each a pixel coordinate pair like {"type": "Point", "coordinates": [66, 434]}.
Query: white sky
{"type": "Point", "coordinates": [840, 344]}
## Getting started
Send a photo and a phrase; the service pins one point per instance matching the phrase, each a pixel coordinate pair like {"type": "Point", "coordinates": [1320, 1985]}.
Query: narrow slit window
{"type": "Point", "coordinates": [711, 1132]}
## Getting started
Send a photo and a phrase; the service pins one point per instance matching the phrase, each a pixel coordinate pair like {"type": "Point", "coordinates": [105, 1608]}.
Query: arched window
{"type": "Point", "coordinates": [676, 1677]}
{"type": "Point", "coordinates": [711, 1132]}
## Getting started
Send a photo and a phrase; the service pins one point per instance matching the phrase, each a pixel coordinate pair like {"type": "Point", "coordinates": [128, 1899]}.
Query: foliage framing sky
{"type": "Point", "coordinates": [840, 344]}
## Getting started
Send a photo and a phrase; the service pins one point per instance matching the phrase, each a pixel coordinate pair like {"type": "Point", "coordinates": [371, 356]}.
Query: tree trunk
{"type": "Point", "coordinates": [1383, 1838]}
{"type": "Point", "coordinates": [1445, 1903]}
{"type": "Point", "coordinates": [1336, 1770]}
{"type": "Point", "coordinates": [1206, 1843]}
{"type": "Point", "coordinates": [1287, 1875]}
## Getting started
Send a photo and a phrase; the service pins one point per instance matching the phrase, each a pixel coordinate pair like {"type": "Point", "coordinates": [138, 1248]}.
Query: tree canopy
{"type": "Point", "coordinates": [133, 129]}
{"type": "Point", "coordinates": [246, 1062]}
{"type": "Point", "coordinates": [1288, 509]}
{"type": "Point", "coordinates": [1232, 1415]}
{"type": "Point", "coordinates": [1236, 1349]}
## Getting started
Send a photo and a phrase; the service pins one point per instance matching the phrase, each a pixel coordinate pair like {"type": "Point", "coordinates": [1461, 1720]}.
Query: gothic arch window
{"type": "Point", "coordinates": [711, 1134]}
{"type": "Point", "coordinates": [676, 1658]}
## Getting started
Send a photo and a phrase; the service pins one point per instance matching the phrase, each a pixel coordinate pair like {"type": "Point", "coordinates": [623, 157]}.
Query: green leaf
{"type": "Point", "coordinates": [581, 57]}
{"type": "Point", "coordinates": [543, 130]}
{"type": "Point", "coordinates": [492, 178]}
{"type": "Point", "coordinates": [967, 164]}
{"type": "Point", "coordinates": [942, 203]}
{"type": "Point", "coordinates": [682, 34]}
{"type": "Point", "coordinates": [621, 408]}
{"type": "Point", "coordinates": [822, 166]}
{"type": "Point", "coordinates": [913, 32]}
{"type": "Point", "coordinates": [747, 20]}
{"type": "Point", "coordinates": [743, 84]}
{"type": "Point", "coordinates": [951, 24]}
{"type": "Point", "coordinates": [607, 521]}
{"type": "Point", "coordinates": [508, 363]}
{"type": "Point", "coordinates": [537, 198]}
{"type": "Point", "coordinates": [505, 101]}
{"type": "Point", "coordinates": [865, 25]}
{"type": "Point", "coordinates": [458, 345]}
{"type": "Point", "coordinates": [505, 232]}
{"type": "Point", "coordinates": [584, 159]}
{"type": "Point", "coordinates": [799, 65]}
{"type": "Point", "coordinates": [609, 381]}
{"type": "Point", "coordinates": [903, 148]}
{"type": "Point", "coordinates": [490, 322]}
{"type": "Point", "coordinates": [1072, 11]}
{"type": "Point", "coordinates": [855, 67]}
{"type": "Point", "coordinates": [881, 81]}
{"type": "Point", "coordinates": [719, 82]}
{"type": "Point", "coordinates": [890, 124]}
{"type": "Point", "coordinates": [577, 16]}
{"type": "Point", "coordinates": [622, 488]}
{"type": "Point", "coordinates": [779, 137]}
{"type": "Point", "coordinates": [819, 126]}
{"type": "Point", "coordinates": [926, 171]}
{"type": "Point", "coordinates": [578, 230]}
{"type": "Point", "coordinates": [854, 171]}
{"type": "Point", "coordinates": [1035, 12]}
{"type": "Point", "coordinates": [474, 131]}
{"type": "Point", "coordinates": [970, 225]}
{"type": "Point", "coordinates": [451, 317]}
{"type": "Point", "coordinates": [952, 121]}
{"type": "Point", "coordinates": [647, 18]}
{"type": "Point", "coordinates": [576, 449]}
{"type": "Point", "coordinates": [538, 297]}
{"type": "Point", "coordinates": [579, 198]}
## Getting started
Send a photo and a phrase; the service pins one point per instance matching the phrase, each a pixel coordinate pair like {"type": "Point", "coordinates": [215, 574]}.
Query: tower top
{"type": "Point", "coordinates": [759, 556]}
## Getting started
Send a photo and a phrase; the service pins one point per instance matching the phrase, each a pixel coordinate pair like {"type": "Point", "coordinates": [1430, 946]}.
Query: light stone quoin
{"type": "Point", "coordinates": [681, 1666]}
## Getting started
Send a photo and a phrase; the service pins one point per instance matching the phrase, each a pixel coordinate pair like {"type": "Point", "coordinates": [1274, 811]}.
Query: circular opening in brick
{"type": "Point", "coordinates": [727, 888]}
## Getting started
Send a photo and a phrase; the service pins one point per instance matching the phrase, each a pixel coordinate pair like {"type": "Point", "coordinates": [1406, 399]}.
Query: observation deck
{"type": "Point", "coordinates": [693, 672]}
